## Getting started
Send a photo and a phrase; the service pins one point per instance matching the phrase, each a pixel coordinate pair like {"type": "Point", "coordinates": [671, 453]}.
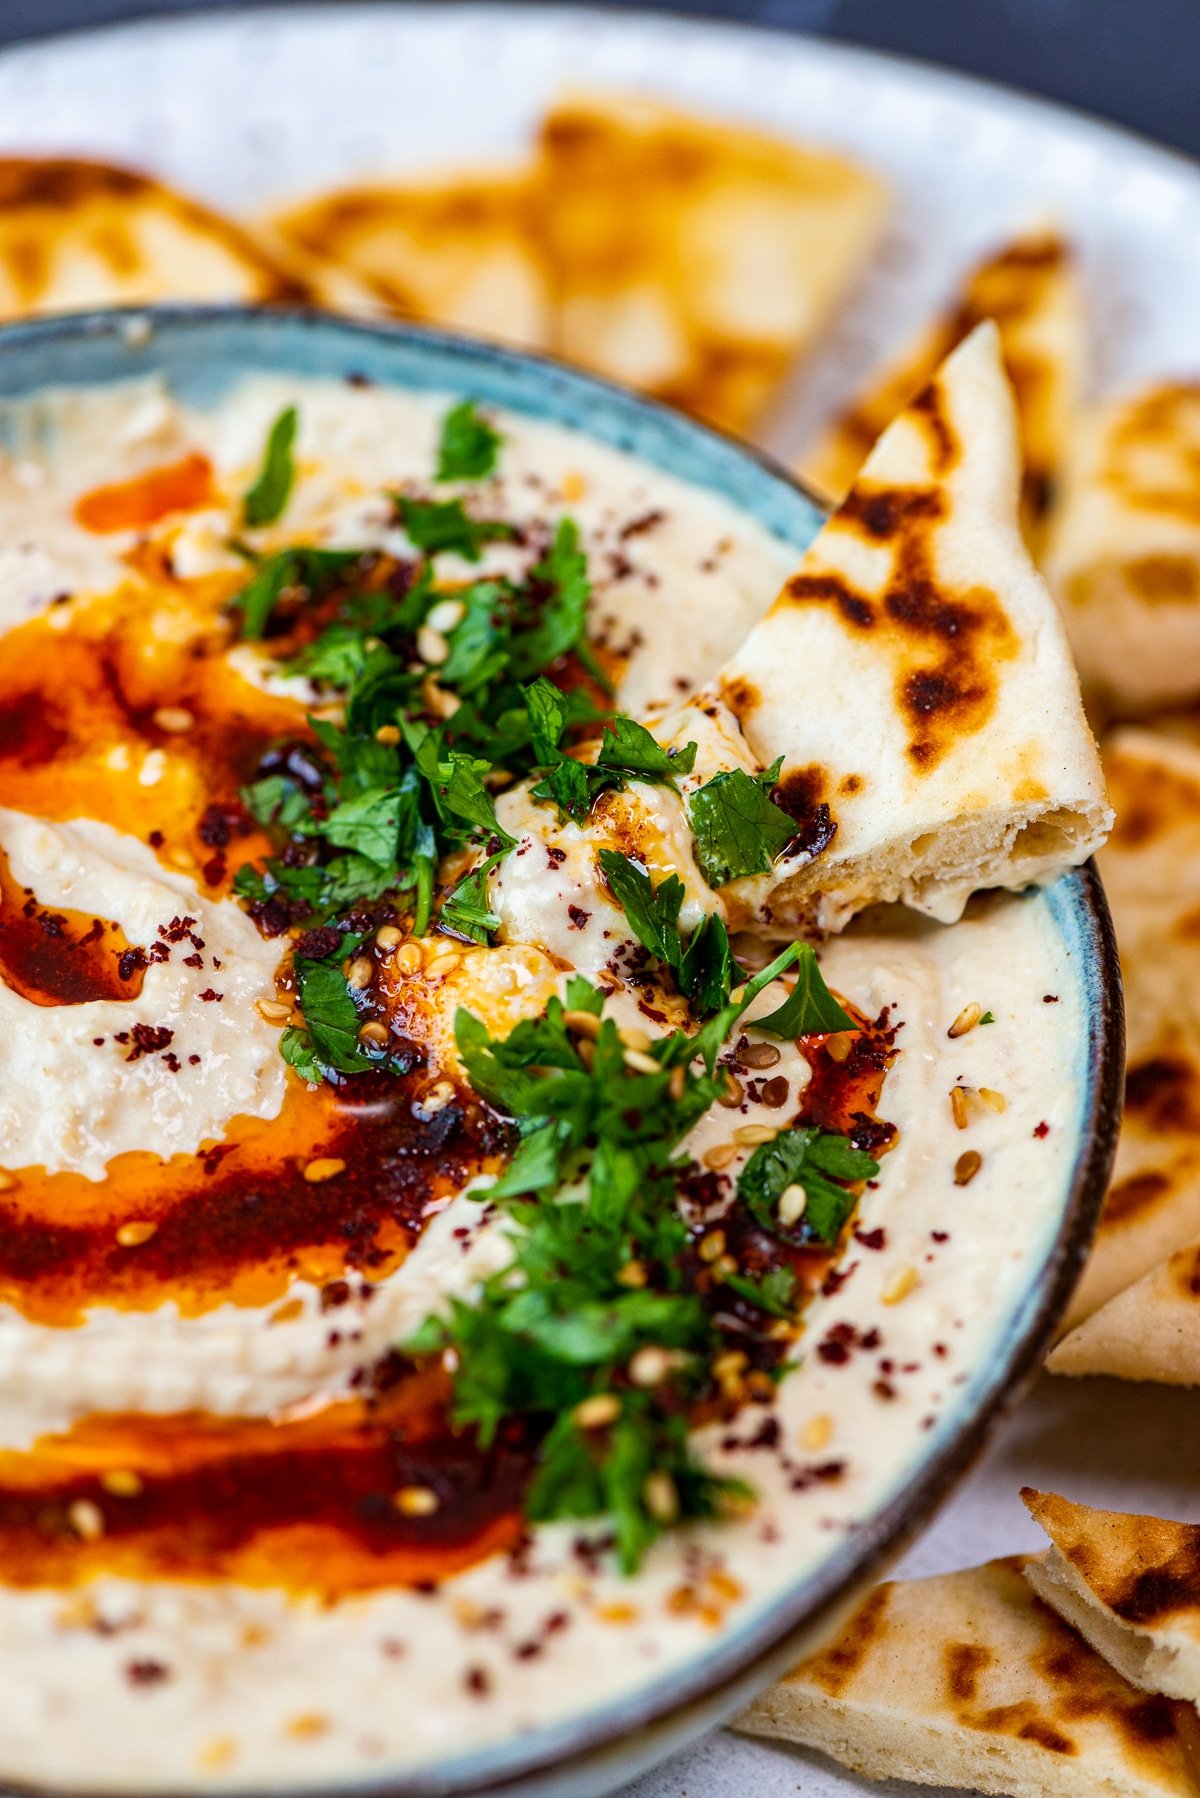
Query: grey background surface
{"type": "Point", "coordinates": [1134, 61]}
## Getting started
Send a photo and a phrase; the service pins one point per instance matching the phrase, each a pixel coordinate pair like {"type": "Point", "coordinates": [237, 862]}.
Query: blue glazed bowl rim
{"type": "Point", "coordinates": [99, 347]}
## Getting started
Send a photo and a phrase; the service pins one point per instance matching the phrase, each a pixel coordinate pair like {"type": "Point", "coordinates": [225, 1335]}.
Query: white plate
{"type": "Point", "coordinates": [249, 108]}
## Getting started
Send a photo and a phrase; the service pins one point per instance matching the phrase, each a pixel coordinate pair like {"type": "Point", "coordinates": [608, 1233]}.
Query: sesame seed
{"type": "Point", "coordinates": [389, 938]}
{"type": "Point", "coordinates": [712, 1246]}
{"type": "Point", "coordinates": [719, 1157]}
{"type": "Point", "coordinates": [992, 1099]}
{"type": "Point", "coordinates": [445, 615]}
{"type": "Point", "coordinates": [573, 486]}
{"type": "Point", "coordinates": [640, 1063]}
{"type": "Point", "coordinates": [661, 1496]}
{"type": "Point", "coordinates": [582, 1023]}
{"type": "Point", "coordinates": [958, 1105]}
{"type": "Point", "coordinates": [793, 1201]}
{"type": "Point", "coordinates": [219, 1752]}
{"type": "Point", "coordinates": [760, 1055]}
{"type": "Point", "coordinates": [967, 1166]}
{"type": "Point", "coordinates": [729, 1364]}
{"type": "Point", "coordinates": [174, 719]}
{"type": "Point", "coordinates": [436, 699]}
{"type": "Point", "coordinates": [132, 1236]}
{"type": "Point", "coordinates": [839, 1045]}
{"type": "Point", "coordinates": [375, 1032]}
{"type": "Point", "coordinates": [86, 1519]}
{"type": "Point", "coordinates": [274, 1011]}
{"type": "Point", "coordinates": [323, 1167]}
{"type": "Point", "coordinates": [122, 1482]}
{"type": "Point", "coordinates": [966, 1020]}
{"type": "Point", "coordinates": [748, 1136]}
{"type": "Point", "coordinates": [899, 1285]}
{"type": "Point", "coordinates": [416, 1501]}
{"type": "Point", "coordinates": [432, 647]}
{"type": "Point", "coordinates": [597, 1412]}
{"type": "Point", "coordinates": [817, 1432]}
{"type": "Point", "coordinates": [438, 1096]}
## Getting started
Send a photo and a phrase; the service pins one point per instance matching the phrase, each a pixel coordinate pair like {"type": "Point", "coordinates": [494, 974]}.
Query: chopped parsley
{"type": "Point", "coordinates": [737, 827]}
{"type": "Point", "coordinates": [469, 445]}
{"type": "Point", "coordinates": [443, 526]}
{"type": "Point", "coordinates": [265, 501]}
{"type": "Point", "coordinates": [815, 1160]}
{"type": "Point", "coordinates": [810, 1007]}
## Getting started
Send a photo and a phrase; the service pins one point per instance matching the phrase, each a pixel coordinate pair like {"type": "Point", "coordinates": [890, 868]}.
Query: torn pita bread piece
{"type": "Point", "coordinates": [1151, 873]}
{"type": "Point", "coordinates": [80, 234]}
{"type": "Point", "coordinates": [1123, 550]}
{"type": "Point", "coordinates": [460, 252]}
{"type": "Point", "coordinates": [967, 1679]}
{"type": "Point", "coordinates": [694, 259]}
{"type": "Point", "coordinates": [914, 678]}
{"type": "Point", "coordinates": [1030, 288]}
{"type": "Point", "coordinates": [1129, 1584]}
{"type": "Point", "coordinates": [1150, 1331]}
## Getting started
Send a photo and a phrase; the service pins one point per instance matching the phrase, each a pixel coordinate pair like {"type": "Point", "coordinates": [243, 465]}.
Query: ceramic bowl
{"type": "Point", "coordinates": [201, 352]}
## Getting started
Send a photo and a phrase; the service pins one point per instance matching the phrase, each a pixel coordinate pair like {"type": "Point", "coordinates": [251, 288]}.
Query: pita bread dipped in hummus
{"type": "Point", "coordinates": [968, 1679]}
{"type": "Point", "coordinates": [77, 234]}
{"type": "Point", "coordinates": [1030, 288]}
{"type": "Point", "coordinates": [691, 259]}
{"type": "Point", "coordinates": [1123, 549]}
{"type": "Point", "coordinates": [1129, 1584]}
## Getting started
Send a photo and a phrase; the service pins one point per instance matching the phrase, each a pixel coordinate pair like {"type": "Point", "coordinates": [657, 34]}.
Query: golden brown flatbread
{"type": "Point", "coordinates": [461, 252]}
{"type": "Point", "coordinates": [1129, 1584]}
{"type": "Point", "coordinates": [1030, 288]}
{"type": "Point", "coordinates": [80, 234]}
{"type": "Point", "coordinates": [1151, 871]}
{"type": "Point", "coordinates": [1150, 1331]}
{"type": "Point", "coordinates": [917, 613]}
{"type": "Point", "coordinates": [1123, 550]}
{"type": "Point", "coordinates": [967, 1679]}
{"type": "Point", "coordinates": [693, 259]}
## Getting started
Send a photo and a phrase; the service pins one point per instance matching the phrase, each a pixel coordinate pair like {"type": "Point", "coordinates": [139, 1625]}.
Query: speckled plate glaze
{"type": "Point", "coordinates": [201, 352]}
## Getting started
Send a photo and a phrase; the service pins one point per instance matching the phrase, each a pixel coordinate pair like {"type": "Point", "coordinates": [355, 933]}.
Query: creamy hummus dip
{"type": "Point", "coordinates": [324, 788]}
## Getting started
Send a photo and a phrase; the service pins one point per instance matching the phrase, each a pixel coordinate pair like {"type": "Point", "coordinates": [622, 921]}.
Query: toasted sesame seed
{"type": "Point", "coordinates": [639, 1063]}
{"type": "Point", "coordinates": [633, 1274]}
{"type": "Point", "coordinates": [598, 1411]}
{"type": "Point", "coordinates": [274, 1011]}
{"type": "Point", "coordinates": [748, 1136]}
{"type": "Point", "coordinates": [437, 700]}
{"type": "Point", "coordinates": [633, 1038]}
{"type": "Point", "coordinates": [323, 1167]}
{"type": "Point", "coordinates": [839, 1045]}
{"type": "Point", "coordinates": [416, 1501]}
{"type": "Point", "coordinates": [389, 938]}
{"type": "Point", "coordinates": [432, 647]}
{"type": "Point", "coordinates": [676, 1083]}
{"type": "Point", "coordinates": [719, 1157]}
{"type": "Point", "coordinates": [992, 1099]}
{"type": "Point", "coordinates": [661, 1496]}
{"type": "Point", "coordinates": [409, 958]}
{"type": "Point", "coordinates": [793, 1201]}
{"type": "Point", "coordinates": [616, 1613]}
{"type": "Point", "coordinates": [899, 1285]}
{"type": "Point", "coordinates": [86, 1519]}
{"type": "Point", "coordinates": [359, 972]}
{"type": "Point", "coordinates": [817, 1432]}
{"type": "Point", "coordinates": [445, 615]}
{"type": "Point", "coordinates": [760, 1385]}
{"type": "Point", "coordinates": [966, 1020]}
{"type": "Point", "coordinates": [175, 719]}
{"type": "Point", "coordinates": [582, 1023]}
{"type": "Point", "coordinates": [122, 1482]}
{"type": "Point", "coordinates": [734, 1092]}
{"type": "Point", "coordinates": [389, 734]}
{"type": "Point", "coordinates": [712, 1246]}
{"type": "Point", "coordinates": [967, 1166]}
{"type": "Point", "coordinates": [308, 1723]}
{"type": "Point", "coordinates": [219, 1753]}
{"type": "Point", "coordinates": [375, 1032]}
{"type": "Point", "coordinates": [132, 1236]}
{"type": "Point", "coordinates": [651, 1365]}
{"type": "Point", "coordinates": [760, 1055]}
{"type": "Point", "coordinates": [958, 1105]}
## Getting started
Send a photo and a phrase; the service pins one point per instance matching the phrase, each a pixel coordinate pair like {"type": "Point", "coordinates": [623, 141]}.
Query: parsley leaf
{"type": "Point", "coordinates": [810, 1007]}
{"type": "Point", "coordinates": [629, 746]}
{"type": "Point", "coordinates": [737, 827]}
{"type": "Point", "coordinates": [465, 910]}
{"type": "Point", "coordinates": [652, 911]}
{"type": "Point", "coordinates": [562, 589]}
{"type": "Point", "coordinates": [265, 500]}
{"type": "Point", "coordinates": [705, 974]}
{"type": "Point", "coordinates": [469, 445]}
{"type": "Point", "coordinates": [443, 526]}
{"type": "Point", "coordinates": [302, 568]}
{"type": "Point", "coordinates": [816, 1160]}
{"type": "Point", "coordinates": [331, 1020]}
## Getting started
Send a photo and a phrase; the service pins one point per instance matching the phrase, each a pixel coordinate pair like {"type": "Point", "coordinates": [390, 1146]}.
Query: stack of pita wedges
{"type": "Point", "coordinates": [1073, 1673]}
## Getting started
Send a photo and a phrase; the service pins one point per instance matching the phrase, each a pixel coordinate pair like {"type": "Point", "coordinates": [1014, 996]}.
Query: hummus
{"type": "Point", "coordinates": [243, 1541]}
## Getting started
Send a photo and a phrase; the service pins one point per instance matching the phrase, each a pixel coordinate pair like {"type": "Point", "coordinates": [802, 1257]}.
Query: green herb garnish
{"type": "Point", "coordinates": [738, 829]}
{"type": "Point", "coordinates": [469, 445]}
{"type": "Point", "coordinates": [264, 502]}
{"type": "Point", "coordinates": [443, 527]}
{"type": "Point", "coordinates": [810, 1007]}
{"type": "Point", "coordinates": [815, 1160]}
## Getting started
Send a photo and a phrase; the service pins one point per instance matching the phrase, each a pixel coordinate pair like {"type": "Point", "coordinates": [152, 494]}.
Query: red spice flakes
{"type": "Point", "coordinates": [1041, 1130]}
{"type": "Point", "coordinates": [477, 1681]}
{"type": "Point", "coordinates": [872, 1239]}
{"type": "Point", "coordinates": [1049, 998]}
{"type": "Point", "coordinates": [147, 1039]}
{"type": "Point", "coordinates": [578, 916]}
{"type": "Point", "coordinates": [209, 997]}
{"type": "Point", "coordinates": [146, 1673]}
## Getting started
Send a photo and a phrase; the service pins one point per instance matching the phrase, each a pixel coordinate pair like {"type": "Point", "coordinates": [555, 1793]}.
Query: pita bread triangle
{"type": "Point", "coordinates": [1151, 872]}
{"type": "Point", "coordinates": [966, 1679]}
{"type": "Point", "coordinates": [914, 677]}
{"type": "Point", "coordinates": [1150, 1331]}
{"type": "Point", "coordinates": [694, 259]}
{"type": "Point", "coordinates": [79, 234]}
{"type": "Point", "coordinates": [1129, 1584]}
{"type": "Point", "coordinates": [1030, 287]}
{"type": "Point", "coordinates": [1123, 549]}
